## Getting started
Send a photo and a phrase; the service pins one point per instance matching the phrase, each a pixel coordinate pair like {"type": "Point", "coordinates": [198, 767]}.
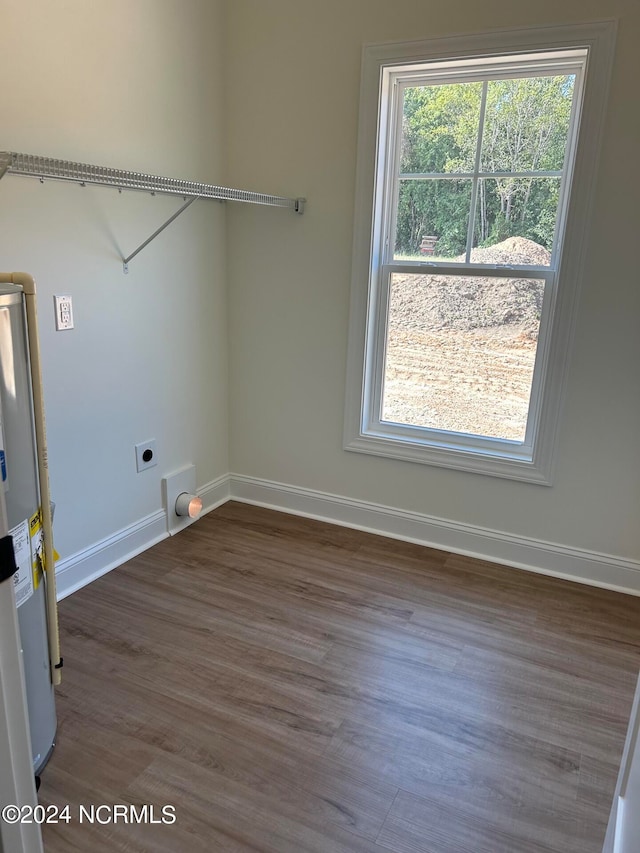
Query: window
{"type": "Point", "coordinates": [471, 207]}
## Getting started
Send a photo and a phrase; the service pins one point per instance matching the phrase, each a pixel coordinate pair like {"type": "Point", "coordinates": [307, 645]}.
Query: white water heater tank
{"type": "Point", "coordinates": [19, 480]}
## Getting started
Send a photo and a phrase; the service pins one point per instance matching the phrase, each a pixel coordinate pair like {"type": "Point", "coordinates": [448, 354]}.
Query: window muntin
{"type": "Point", "coordinates": [504, 135]}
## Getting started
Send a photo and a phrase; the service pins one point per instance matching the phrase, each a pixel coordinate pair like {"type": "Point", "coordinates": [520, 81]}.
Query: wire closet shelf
{"type": "Point", "coordinates": [49, 168]}
{"type": "Point", "coordinates": [31, 165]}
{"type": "Point", "coordinates": [82, 173]}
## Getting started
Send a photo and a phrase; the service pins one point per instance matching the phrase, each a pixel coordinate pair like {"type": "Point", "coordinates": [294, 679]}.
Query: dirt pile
{"type": "Point", "coordinates": [431, 302]}
{"type": "Point", "coordinates": [513, 250]}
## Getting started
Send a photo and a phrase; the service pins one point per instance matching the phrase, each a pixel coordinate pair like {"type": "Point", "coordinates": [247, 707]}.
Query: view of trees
{"type": "Point", "coordinates": [525, 130]}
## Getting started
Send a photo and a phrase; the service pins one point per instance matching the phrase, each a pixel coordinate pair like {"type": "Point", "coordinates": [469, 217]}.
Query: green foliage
{"type": "Point", "coordinates": [440, 208]}
{"type": "Point", "coordinates": [525, 129]}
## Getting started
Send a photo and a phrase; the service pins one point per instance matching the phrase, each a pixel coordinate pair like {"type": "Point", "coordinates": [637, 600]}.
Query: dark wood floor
{"type": "Point", "coordinates": [293, 686]}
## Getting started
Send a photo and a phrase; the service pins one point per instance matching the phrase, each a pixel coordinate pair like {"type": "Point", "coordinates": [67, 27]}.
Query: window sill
{"type": "Point", "coordinates": [476, 461]}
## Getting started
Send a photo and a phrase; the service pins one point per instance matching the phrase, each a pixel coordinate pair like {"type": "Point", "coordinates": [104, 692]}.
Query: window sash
{"type": "Point", "coordinates": [374, 425]}
{"type": "Point", "coordinates": [395, 81]}
{"type": "Point", "coordinates": [497, 68]}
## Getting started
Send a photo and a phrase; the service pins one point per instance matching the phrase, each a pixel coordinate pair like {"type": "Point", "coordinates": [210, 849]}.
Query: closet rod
{"type": "Point", "coordinates": [34, 166]}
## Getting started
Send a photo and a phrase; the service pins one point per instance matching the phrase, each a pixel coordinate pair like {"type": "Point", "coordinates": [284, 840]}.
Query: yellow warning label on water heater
{"type": "Point", "coordinates": [37, 548]}
{"type": "Point", "coordinates": [35, 524]}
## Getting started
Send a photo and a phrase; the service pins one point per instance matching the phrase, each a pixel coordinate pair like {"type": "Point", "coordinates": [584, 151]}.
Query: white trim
{"type": "Point", "coordinates": [451, 456]}
{"type": "Point", "coordinates": [621, 817]}
{"type": "Point", "coordinates": [501, 40]}
{"type": "Point", "coordinates": [215, 493]}
{"type": "Point", "coordinates": [362, 433]}
{"type": "Point", "coordinates": [83, 567]}
{"type": "Point", "coordinates": [88, 565]}
{"type": "Point", "coordinates": [520, 552]}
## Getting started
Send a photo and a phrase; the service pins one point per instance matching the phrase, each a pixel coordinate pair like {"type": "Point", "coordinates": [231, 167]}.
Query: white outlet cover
{"type": "Point", "coordinates": [64, 312]}
{"type": "Point", "coordinates": [173, 485]}
{"type": "Point", "coordinates": [141, 463]}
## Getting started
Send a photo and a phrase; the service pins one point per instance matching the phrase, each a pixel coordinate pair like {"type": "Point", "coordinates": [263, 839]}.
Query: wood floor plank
{"type": "Point", "coordinates": [578, 610]}
{"type": "Point", "coordinates": [257, 820]}
{"type": "Point", "coordinates": [316, 787]}
{"type": "Point", "coordinates": [233, 611]}
{"type": "Point", "coordinates": [596, 781]}
{"type": "Point", "coordinates": [298, 584]}
{"type": "Point", "coordinates": [291, 685]}
{"type": "Point", "coordinates": [418, 824]}
{"type": "Point", "coordinates": [589, 710]}
{"type": "Point", "coordinates": [266, 706]}
{"type": "Point", "coordinates": [479, 766]}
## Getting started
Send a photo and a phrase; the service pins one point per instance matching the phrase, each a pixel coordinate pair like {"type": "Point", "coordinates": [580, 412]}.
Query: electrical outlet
{"type": "Point", "coordinates": [146, 455]}
{"type": "Point", "coordinates": [64, 312]}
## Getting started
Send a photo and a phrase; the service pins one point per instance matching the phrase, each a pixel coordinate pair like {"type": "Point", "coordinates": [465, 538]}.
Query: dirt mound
{"type": "Point", "coordinates": [430, 302]}
{"type": "Point", "coordinates": [513, 250]}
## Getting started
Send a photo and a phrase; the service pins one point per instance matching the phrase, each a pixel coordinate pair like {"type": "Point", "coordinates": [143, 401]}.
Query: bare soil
{"type": "Point", "coordinates": [461, 350]}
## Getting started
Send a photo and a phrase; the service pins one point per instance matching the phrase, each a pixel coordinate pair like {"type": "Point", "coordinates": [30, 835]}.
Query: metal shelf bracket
{"type": "Point", "coordinates": [125, 261]}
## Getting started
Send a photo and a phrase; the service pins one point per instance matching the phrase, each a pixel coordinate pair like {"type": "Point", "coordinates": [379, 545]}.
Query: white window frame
{"type": "Point", "coordinates": [531, 460]}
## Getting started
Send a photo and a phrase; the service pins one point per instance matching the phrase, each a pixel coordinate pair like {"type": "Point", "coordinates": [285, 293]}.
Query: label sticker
{"type": "Point", "coordinates": [23, 578]}
{"type": "Point", "coordinates": [36, 535]}
{"type": "Point", "coordinates": [37, 547]}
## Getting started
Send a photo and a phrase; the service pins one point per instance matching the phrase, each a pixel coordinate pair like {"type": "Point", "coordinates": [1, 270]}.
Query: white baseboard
{"type": "Point", "coordinates": [215, 493]}
{"type": "Point", "coordinates": [589, 567]}
{"type": "Point", "coordinates": [87, 565]}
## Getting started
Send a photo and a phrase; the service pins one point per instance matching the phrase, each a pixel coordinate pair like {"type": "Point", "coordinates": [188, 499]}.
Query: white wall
{"type": "Point", "coordinates": [135, 84]}
{"type": "Point", "coordinates": [265, 96]}
{"type": "Point", "coordinates": [292, 108]}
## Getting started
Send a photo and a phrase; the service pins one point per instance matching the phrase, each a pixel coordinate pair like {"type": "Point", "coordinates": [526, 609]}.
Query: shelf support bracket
{"type": "Point", "coordinates": [5, 162]}
{"type": "Point", "coordinates": [125, 261]}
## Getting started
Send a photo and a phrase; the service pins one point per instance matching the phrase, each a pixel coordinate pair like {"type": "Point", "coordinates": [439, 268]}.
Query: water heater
{"type": "Point", "coordinates": [19, 479]}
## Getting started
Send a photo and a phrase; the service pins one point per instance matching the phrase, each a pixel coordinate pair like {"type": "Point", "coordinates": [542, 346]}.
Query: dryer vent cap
{"type": "Point", "coordinates": [188, 505]}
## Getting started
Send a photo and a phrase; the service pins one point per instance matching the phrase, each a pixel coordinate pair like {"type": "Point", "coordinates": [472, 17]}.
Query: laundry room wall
{"type": "Point", "coordinates": [138, 86]}
{"type": "Point", "coordinates": [289, 285]}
